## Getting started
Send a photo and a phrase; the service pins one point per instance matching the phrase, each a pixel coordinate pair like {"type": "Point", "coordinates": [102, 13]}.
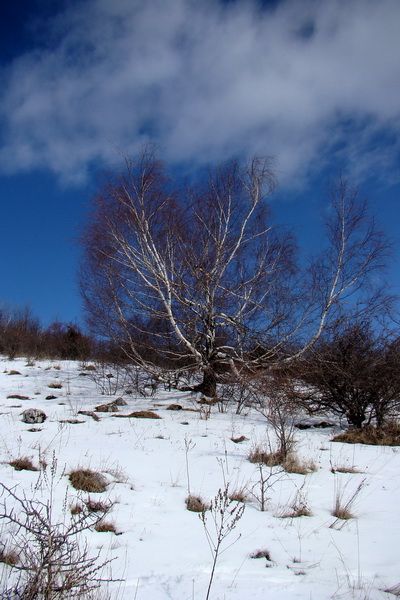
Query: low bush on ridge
{"type": "Point", "coordinates": [388, 435]}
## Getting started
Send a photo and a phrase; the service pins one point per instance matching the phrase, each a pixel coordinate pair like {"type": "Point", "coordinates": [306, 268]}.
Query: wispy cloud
{"type": "Point", "coordinates": [208, 80]}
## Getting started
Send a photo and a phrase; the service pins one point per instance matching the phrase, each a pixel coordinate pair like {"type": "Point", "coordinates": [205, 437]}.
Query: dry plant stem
{"type": "Point", "coordinates": [224, 519]}
{"type": "Point", "coordinates": [189, 445]}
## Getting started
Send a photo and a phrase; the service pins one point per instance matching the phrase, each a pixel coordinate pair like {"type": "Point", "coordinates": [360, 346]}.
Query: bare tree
{"type": "Point", "coordinates": [201, 278]}
{"type": "Point", "coordinates": [20, 332]}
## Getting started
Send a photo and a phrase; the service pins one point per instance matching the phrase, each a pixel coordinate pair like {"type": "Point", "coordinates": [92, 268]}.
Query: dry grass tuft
{"type": "Point", "coordinates": [341, 512]}
{"type": "Point", "coordinates": [196, 504]}
{"type": "Point", "coordinates": [76, 509]}
{"type": "Point", "coordinates": [374, 436]}
{"type": "Point", "coordinates": [105, 527]}
{"type": "Point", "coordinates": [292, 464]}
{"type": "Point", "coordinates": [261, 554]}
{"type": "Point", "coordinates": [238, 496]}
{"type": "Point", "coordinates": [345, 469]}
{"type": "Point", "coordinates": [17, 397]}
{"type": "Point", "coordinates": [55, 386]}
{"type": "Point", "coordinates": [88, 481]}
{"type": "Point", "coordinates": [23, 464]}
{"type": "Point", "coordinates": [142, 414]}
{"type": "Point", "coordinates": [13, 372]}
{"type": "Point", "coordinates": [342, 509]}
{"type": "Point", "coordinates": [238, 440]}
{"type": "Point", "coordinates": [395, 590]}
{"type": "Point", "coordinates": [9, 557]}
{"type": "Point", "coordinates": [262, 457]}
{"type": "Point", "coordinates": [95, 506]}
{"type": "Point", "coordinates": [296, 510]}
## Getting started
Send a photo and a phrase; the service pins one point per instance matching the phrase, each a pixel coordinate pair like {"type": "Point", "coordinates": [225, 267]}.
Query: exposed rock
{"type": "Point", "coordinates": [33, 415]}
{"type": "Point", "coordinates": [110, 407]}
{"type": "Point", "coordinates": [120, 402]}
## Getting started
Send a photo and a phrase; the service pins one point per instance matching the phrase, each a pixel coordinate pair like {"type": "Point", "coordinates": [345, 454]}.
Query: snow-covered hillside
{"type": "Point", "coordinates": [161, 549]}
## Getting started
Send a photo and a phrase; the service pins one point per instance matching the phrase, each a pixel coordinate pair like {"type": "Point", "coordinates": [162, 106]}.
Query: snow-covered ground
{"type": "Point", "coordinates": [161, 548]}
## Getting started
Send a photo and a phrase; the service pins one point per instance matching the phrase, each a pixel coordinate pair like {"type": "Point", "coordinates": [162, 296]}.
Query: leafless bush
{"type": "Point", "coordinates": [110, 377]}
{"type": "Point", "coordinates": [53, 563]}
{"type": "Point", "coordinates": [355, 373]}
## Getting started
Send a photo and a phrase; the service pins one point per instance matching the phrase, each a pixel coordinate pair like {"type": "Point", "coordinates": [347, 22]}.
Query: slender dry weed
{"type": "Point", "coordinates": [342, 509]}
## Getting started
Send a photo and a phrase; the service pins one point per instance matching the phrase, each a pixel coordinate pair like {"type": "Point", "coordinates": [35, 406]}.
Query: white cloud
{"type": "Point", "coordinates": [207, 81]}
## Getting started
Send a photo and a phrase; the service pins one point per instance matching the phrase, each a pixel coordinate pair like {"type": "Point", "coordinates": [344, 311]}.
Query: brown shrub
{"type": "Point", "coordinates": [88, 481]}
{"type": "Point", "coordinates": [17, 397]}
{"type": "Point", "coordinates": [55, 386]}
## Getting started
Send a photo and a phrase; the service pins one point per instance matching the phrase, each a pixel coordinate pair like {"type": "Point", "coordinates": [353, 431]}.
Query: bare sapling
{"type": "Point", "coordinates": [277, 403]}
{"type": "Point", "coordinates": [266, 480]}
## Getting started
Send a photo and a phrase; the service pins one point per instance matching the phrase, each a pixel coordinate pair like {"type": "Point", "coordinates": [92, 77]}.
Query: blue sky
{"type": "Point", "coordinates": [316, 84]}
